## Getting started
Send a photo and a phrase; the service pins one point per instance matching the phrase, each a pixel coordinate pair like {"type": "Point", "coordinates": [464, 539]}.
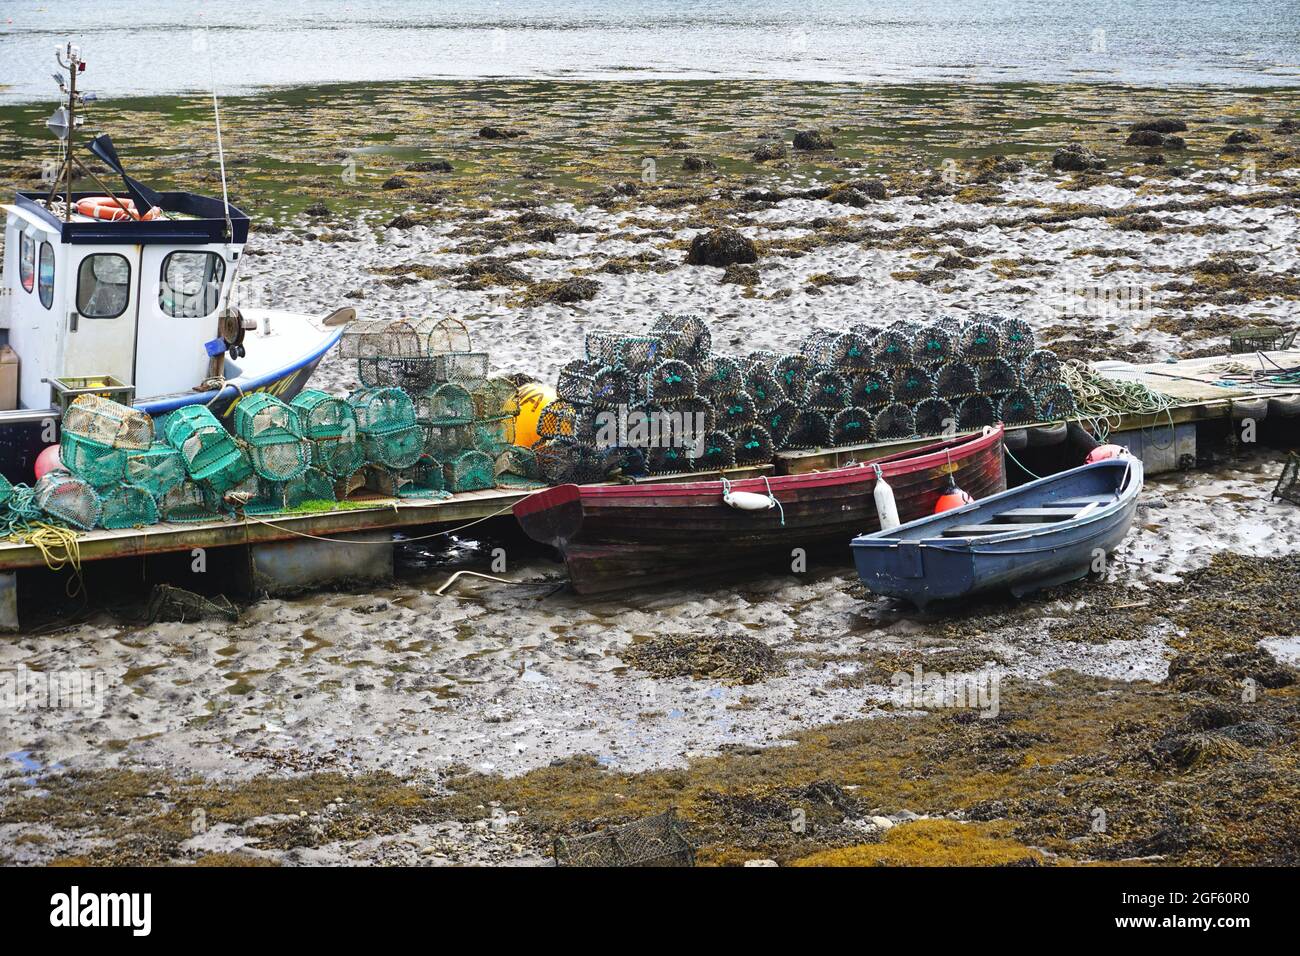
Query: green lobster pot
{"type": "Point", "coordinates": [492, 436]}
{"type": "Point", "coordinates": [68, 499]}
{"type": "Point", "coordinates": [188, 501]}
{"type": "Point", "coordinates": [338, 456]}
{"type": "Point", "coordinates": [400, 448]}
{"type": "Point", "coordinates": [6, 490]}
{"type": "Point", "coordinates": [424, 479]}
{"type": "Point", "coordinates": [280, 460]}
{"type": "Point", "coordinates": [208, 449]}
{"type": "Point", "coordinates": [157, 469]}
{"type": "Point", "coordinates": [128, 506]}
{"type": "Point", "coordinates": [100, 465]}
{"type": "Point", "coordinates": [323, 416]}
{"type": "Point", "coordinates": [231, 472]}
{"type": "Point", "coordinates": [261, 418]}
{"type": "Point", "coordinates": [382, 410]}
{"type": "Point", "coordinates": [469, 471]}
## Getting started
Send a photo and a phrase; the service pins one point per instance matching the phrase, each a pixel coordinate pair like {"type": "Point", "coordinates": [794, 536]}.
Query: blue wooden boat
{"type": "Point", "coordinates": [1040, 534]}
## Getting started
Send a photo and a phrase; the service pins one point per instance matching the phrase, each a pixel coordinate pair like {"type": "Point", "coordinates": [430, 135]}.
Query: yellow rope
{"type": "Point", "coordinates": [59, 546]}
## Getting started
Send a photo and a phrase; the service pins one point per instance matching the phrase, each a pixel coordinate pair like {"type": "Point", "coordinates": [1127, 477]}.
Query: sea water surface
{"type": "Point", "coordinates": [164, 46]}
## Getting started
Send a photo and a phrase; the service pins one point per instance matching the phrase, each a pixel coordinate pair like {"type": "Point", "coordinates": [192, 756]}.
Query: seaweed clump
{"type": "Point", "coordinates": [738, 658]}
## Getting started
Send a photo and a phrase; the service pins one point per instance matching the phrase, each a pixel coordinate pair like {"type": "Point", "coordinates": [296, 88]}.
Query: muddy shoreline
{"type": "Point", "coordinates": [396, 726]}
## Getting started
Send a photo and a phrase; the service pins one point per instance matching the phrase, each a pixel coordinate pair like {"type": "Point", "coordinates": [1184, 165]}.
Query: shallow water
{"type": "Point", "coordinates": [158, 47]}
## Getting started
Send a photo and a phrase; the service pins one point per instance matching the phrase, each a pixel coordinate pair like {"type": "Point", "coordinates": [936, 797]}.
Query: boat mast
{"type": "Point", "coordinates": [74, 65]}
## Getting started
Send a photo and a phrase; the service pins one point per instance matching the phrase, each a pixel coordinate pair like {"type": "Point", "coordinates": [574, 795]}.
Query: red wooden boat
{"type": "Point", "coordinates": [623, 536]}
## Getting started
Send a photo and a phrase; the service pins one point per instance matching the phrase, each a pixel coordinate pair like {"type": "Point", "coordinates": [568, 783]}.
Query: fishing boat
{"type": "Point", "coordinates": [128, 292]}
{"type": "Point", "coordinates": [623, 536]}
{"type": "Point", "coordinates": [1043, 533]}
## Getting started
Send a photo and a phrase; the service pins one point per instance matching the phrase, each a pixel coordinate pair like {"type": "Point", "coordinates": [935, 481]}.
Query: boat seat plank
{"type": "Point", "coordinates": [974, 530]}
{"type": "Point", "coordinates": [1016, 515]}
{"type": "Point", "coordinates": [1085, 500]}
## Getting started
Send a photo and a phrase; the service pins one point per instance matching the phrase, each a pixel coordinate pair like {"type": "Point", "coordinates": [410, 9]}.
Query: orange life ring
{"type": "Point", "coordinates": [111, 210]}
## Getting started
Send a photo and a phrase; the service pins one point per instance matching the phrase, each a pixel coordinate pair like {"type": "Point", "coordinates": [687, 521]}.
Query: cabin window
{"type": "Point", "coordinates": [191, 284]}
{"type": "Point", "coordinates": [103, 286]}
{"type": "Point", "coordinates": [45, 277]}
{"type": "Point", "coordinates": [26, 261]}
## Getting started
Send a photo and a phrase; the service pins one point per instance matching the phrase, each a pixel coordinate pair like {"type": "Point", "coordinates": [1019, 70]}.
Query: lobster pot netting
{"type": "Point", "coordinates": [494, 398]}
{"type": "Point", "coordinates": [717, 451]}
{"type": "Point", "coordinates": [381, 410]}
{"type": "Point", "coordinates": [826, 390]}
{"type": "Point", "coordinates": [913, 384]}
{"type": "Point", "coordinates": [762, 386]}
{"type": "Point", "coordinates": [734, 411]}
{"type": "Point", "coordinates": [791, 372]}
{"type": "Point", "coordinates": [313, 486]}
{"type": "Point", "coordinates": [687, 335]}
{"type": "Point", "coordinates": [894, 421]}
{"type": "Point", "coordinates": [934, 345]}
{"type": "Point", "coordinates": [810, 429]}
{"type": "Point", "coordinates": [425, 479]}
{"type": "Point", "coordinates": [442, 441]}
{"type": "Point", "coordinates": [108, 423]}
{"type": "Point", "coordinates": [871, 390]}
{"type": "Point", "coordinates": [754, 445]}
{"type": "Point", "coordinates": [976, 411]}
{"type": "Point", "coordinates": [234, 471]}
{"type": "Point", "coordinates": [517, 467]}
{"type": "Point", "coordinates": [558, 420]}
{"type": "Point", "coordinates": [321, 415]}
{"type": "Point", "coordinates": [393, 357]}
{"type": "Point", "coordinates": [980, 341]}
{"type": "Point", "coordinates": [718, 376]}
{"type": "Point", "coordinates": [668, 460]}
{"type": "Point", "coordinates": [1041, 368]}
{"type": "Point", "coordinates": [1017, 408]}
{"type": "Point", "coordinates": [444, 336]}
{"type": "Point", "coordinates": [492, 435]}
{"type": "Point", "coordinates": [563, 461]}
{"type": "Point", "coordinates": [851, 352]}
{"type": "Point", "coordinates": [208, 449]}
{"type": "Point", "coordinates": [759, 358]}
{"type": "Point", "coordinates": [462, 368]}
{"type": "Point", "coordinates": [68, 499]}
{"type": "Point", "coordinates": [263, 418]}
{"type": "Point", "coordinates": [188, 501]}
{"type": "Point", "coordinates": [656, 841]}
{"type": "Point", "coordinates": [1017, 337]}
{"type": "Point", "coordinates": [337, 456]}
{"type": "Point", "coordinates": [672, 380]}
{"type": "Point", "coordinates": [399, 448]}
{"type": "Point", "coordinates": [997, 377]}
{"type": "Point", "coordinates": [956, 380]}
{"type": "Point", "coordinates": [817, 346]}
{"type": "Point", "coordinates": [694, 414]}
{"type": "Point", "coordinates": [935, 416]}
{"type": "Point", "coordinates": [574, 383]}
{"type": "Point", "coordinates": [1055, 403]}
{"type": "Point", "coordinates": [779, 420]}
{"type": "Point", "coordinates": [622, 460]}
{"type": "Point", "coordinates": [850, 426]}
{"type": "Point", "coordinates": [447, 404]}
{"type": "Point", "coordinates": [469, 471]}
{"type": "Point", "coordinates": [612, 385]}
{"type": "Point", "coordinates": [6, 490]}
{"type": "Point", "coordinates": [892, 347]}
{"type": "Point", "coordinates": [127, 506]}
{"type": "Point", "coordinates": [100, 465]}
{"type": "Point", "coordinates": [280, 460]}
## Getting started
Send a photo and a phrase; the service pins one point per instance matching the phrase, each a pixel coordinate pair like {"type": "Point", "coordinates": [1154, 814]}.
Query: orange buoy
{"type": "Point", "coordinates": [532, 399]}
{"type": "Point", "coordinates": [954, 497]}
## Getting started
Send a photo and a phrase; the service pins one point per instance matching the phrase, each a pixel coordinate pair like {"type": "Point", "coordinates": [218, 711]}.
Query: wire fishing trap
{"type": "Point", "coordinates": [753, 445]}
{"type": "Point", "coordinates": [688, 337]}
{"type": "Point", "coordinates": [826, 391]}
{"type": "Point", "coordinates": [895, 420]}
{"type": "Point", "coordinates": [934, 345]}
{"type": "Point", "coordinates": [716, 452]}
{"type": "Point", "coordinates": [851, 426]}
{"type": "Point", "coordinates": [734, 411]}
{"type": "Point", "coordinates": [273, 433]}
{"type": "Point", "coordinates": [97, 434]}
{"type": "Point", "coordinates": [912, 383]}
{"type": "Point", "coordinates": [67, 498]}
{"type": "Point", "coordinates": [873, 389]}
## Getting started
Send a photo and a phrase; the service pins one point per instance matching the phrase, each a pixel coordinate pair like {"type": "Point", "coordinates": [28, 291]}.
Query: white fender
{"type": "Point", "coordinates": [748, 501]}
{"type": "Point", "coordinates": [886, 506]}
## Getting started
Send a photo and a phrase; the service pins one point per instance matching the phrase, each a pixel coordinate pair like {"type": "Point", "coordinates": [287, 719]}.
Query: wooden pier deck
{"type": "Point", "coordinates": [1191, 382]}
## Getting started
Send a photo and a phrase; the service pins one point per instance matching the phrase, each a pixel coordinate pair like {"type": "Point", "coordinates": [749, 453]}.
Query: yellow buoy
{"type": "Point", "coordinates": [532, 399]}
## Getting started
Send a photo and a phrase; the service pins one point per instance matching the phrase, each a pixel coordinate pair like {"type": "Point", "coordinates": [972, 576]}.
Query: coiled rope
{"type": "Point", "coordinates": [1103, 402]}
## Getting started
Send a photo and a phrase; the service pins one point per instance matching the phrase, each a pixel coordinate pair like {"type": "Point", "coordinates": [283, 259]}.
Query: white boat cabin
{"type": "Point", "coordinates": [136, 300]}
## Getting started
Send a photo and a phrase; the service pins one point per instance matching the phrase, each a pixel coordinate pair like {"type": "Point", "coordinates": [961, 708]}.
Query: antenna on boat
{"type": "Point", "coordinates": [221, 150]}
{"type": "Point", "coordinates": [63, 124]}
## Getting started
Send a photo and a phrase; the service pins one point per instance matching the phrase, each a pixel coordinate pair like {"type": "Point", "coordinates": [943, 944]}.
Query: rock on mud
{"type": "Point", "coordinates": [1077, 158]}
{"type": "Point", "coordinates": [1162, 124]}
{"type": "Point", "coordinates": [812, 139]}
{"type": "Point", "coordinates": [499, 132]}
{"type": "Point", "coordinates": [721, 247]}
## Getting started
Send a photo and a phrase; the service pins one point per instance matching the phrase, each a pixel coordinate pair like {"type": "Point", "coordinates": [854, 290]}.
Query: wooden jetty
{"type": "Point", "coordinates": [1196, 384]}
